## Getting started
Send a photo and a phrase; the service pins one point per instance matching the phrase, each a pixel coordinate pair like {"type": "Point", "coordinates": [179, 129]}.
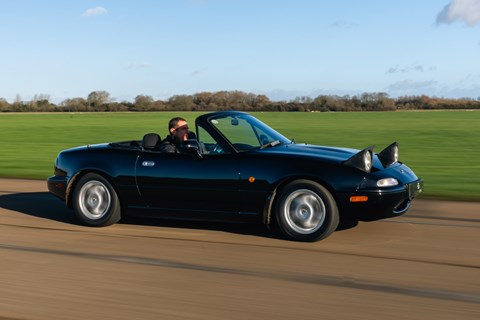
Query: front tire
{"type": "Point", "coordinates": [95, 202]}
{"type": "Point", "coordinates": [306, 211]}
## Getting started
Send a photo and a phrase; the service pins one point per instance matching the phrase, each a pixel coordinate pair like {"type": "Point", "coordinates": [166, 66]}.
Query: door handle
{"type": "Point", "coordinates": [148, 163]}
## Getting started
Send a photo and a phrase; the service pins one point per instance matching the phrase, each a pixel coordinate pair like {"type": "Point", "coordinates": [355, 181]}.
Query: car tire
{"type": "Point", "coordinates": [95, 202]}
{"type": "Point", "coordinates": [306, 211]}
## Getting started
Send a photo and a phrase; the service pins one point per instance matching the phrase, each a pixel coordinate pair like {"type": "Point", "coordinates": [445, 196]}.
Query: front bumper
{"type": "Point", "coordinates": [380, 204]}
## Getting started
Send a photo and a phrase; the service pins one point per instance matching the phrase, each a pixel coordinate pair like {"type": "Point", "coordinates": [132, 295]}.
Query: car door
{"type": "Point", "coordinates": [186, 185]}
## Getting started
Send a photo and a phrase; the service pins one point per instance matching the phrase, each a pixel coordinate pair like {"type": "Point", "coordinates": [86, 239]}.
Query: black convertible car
{"type": "Point", "coordinates": [236, 168]}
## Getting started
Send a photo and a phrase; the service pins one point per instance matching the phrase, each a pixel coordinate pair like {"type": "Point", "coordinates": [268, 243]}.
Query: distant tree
{"type": "Point", "coordinates": [98, 100]}
{"type": "Point", "coordinates": [159, 105]}
{"type": "Point", "coordinates": [203, 101]}
{"type": "Point", "coordinates": [238, 100]}
{"type": "Point", "coordinates": [120, 106]}
{"type": "Point", "coordinates": [376, 101]}
{"type": "Point", "coordinates": [303, 100]}
{"type": "Point", "coordinates": [220, 99]}
{"type": "Point", "coordinates": [322, 103]}
{"type": "Point", "coordinates": [143, 103]}
{"type": "Point", "coordinates": [4, 105]}
{"type": "Point", "coordinates": [181, 103]}
{"type": "Point", "coordinates": [40, 102]}
{"type": "Point", "coordinates": [259, 102]}
{"type": "Point", "coordinates": [74, 105]}
{"type": "Point", "coordinates": [18, 105]}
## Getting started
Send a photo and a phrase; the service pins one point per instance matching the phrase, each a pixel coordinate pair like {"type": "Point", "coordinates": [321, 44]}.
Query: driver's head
{"type": "Point", "coordinates": [178, 128]}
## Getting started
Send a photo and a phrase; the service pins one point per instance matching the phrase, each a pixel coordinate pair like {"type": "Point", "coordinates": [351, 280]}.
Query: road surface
{"type": "Point", "coordinates": [423, 265]}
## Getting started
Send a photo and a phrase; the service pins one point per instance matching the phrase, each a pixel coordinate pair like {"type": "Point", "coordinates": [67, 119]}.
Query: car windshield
{"type": "Point", "coordinates": [245, 132]}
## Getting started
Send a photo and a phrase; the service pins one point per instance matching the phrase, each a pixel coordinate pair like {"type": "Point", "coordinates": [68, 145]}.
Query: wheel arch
{"type": "Point", "coordinates": [76, 178]}
{"type": "Point", "coordinates": [270, 203]}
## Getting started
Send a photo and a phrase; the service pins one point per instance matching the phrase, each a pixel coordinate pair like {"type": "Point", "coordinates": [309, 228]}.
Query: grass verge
{"type": "Point", "coordinates": [442, 147]}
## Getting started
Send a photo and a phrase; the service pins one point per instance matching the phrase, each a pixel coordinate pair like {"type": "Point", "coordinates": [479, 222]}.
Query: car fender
{"type": "Point", "coordinates": [269, 203]}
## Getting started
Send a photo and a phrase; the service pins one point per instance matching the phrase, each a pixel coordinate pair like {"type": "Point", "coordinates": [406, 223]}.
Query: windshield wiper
{"type": "Point", "coordinates": [271, 144]}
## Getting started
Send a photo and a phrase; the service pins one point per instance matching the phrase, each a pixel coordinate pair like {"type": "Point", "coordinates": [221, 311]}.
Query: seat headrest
{"type": "Point", "coordinates": [151, 140]}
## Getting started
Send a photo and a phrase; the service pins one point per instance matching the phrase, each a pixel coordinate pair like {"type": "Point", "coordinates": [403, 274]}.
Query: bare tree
{"type": "Point", "coordinates": [74, 105]}
{"type": "Point", "coordinates": [4, 105]}
{"type": "Point", "coordinates": [98, 100]}
{"type": "Point", "coordinates": [143, 103]}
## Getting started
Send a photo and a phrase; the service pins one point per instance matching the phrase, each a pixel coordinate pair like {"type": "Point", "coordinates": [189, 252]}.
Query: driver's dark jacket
{"type": "Point", "coordinates": [169, 145]}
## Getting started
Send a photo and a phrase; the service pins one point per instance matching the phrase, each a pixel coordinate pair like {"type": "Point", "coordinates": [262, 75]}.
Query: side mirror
{"type": "Point", "coordinates": [191, 147]}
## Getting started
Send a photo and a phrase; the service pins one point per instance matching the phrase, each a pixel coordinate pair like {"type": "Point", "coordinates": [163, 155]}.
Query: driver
{"type": "Point", "coordinates": [178, 129]}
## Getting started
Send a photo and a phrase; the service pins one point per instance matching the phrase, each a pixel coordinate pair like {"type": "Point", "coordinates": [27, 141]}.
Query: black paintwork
{"type": "Point", "coordinates": [213, 185]}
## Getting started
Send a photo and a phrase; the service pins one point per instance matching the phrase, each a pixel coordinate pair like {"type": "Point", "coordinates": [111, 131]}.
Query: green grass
{"type": "Point", "coordinates": [442, 147]}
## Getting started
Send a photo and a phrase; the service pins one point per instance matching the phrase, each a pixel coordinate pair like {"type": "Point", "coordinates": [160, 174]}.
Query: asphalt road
{"type": "Point", "coordinates": [423, 265]}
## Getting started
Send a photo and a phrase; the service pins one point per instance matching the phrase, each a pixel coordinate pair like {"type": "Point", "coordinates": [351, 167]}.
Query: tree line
{"type": "Point", "coordinates": [101, 101]}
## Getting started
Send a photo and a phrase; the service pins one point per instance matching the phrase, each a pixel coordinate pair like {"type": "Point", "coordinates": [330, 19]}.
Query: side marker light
{"type": "Point", "coordinates": [358, 199]}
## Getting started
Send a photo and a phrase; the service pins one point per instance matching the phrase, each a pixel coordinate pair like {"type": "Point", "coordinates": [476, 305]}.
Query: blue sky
{"type": "Point", "coordinates": [281, 48]}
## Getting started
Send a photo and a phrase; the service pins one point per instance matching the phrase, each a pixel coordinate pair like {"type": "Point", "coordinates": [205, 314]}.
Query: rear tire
{"type": "Point", "coordinates": [306, 211]}
{"type": "Point", "coordinates": [95, 202]}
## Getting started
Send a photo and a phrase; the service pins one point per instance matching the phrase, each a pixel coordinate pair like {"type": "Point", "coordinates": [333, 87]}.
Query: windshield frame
{"type": "Point", "coordinates": [259, 130]}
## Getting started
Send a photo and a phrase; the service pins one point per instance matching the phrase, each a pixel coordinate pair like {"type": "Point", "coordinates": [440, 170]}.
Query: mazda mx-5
{"type": "Point", "coordinates": [235, 168]}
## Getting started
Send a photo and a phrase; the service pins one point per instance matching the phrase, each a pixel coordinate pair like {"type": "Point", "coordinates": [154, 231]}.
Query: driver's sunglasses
{"type": "Point", "coordinates": [184, 127]}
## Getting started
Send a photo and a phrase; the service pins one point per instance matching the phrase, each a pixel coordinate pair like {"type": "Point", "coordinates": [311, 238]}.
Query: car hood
{"type": "Point", "coordinates": [308, 150]}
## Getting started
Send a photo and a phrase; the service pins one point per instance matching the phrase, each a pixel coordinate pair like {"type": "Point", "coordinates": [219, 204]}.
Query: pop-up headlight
{"type": "Point", "coordinates": [389, 155]}
{"type": "Point", "coordinates": [362, 160]}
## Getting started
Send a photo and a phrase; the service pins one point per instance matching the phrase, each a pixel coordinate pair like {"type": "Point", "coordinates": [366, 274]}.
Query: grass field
{"type": "Point", "coordinates": [443, 147]}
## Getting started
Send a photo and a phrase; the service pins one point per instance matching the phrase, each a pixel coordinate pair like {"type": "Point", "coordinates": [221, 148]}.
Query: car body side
{"type": "Point", "coordinates": [235, 186]}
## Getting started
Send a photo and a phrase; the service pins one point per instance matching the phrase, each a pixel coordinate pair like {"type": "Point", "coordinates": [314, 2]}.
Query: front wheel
{"type": "Point", "coordinates": [95, 202]}
{"type": "Point", "coordinates": [306, 211]}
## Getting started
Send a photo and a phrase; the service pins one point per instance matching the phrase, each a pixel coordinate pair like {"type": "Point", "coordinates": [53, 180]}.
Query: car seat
{"type": "Point", "coordinates": [150, 141]}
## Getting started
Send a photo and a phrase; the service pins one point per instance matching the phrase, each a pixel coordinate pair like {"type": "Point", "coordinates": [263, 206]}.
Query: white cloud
{"type": "Point", "coordinates": [405, 69]}
{"type": "Point", "coordinates": [409, 86]}
{"type": "Point", "coordinates": [467, 11]}
{"type": "Point", "coordinates": [97, 11]}
{"type": "Point", "coordinates": [343, 24]}
{"type": "Point", "coordinates": [136, 65]}
{"type": "Point", "coordinates": [466, 88]}
{"type": "Point", "coordinates": [398, 69]}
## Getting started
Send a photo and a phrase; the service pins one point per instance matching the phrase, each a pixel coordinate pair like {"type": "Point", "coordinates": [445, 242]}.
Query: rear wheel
{"type": "Point", "coordinates": [95, 202]}
{"type": "Point", "coordinates": [306, 211]}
